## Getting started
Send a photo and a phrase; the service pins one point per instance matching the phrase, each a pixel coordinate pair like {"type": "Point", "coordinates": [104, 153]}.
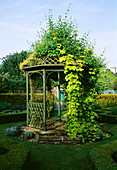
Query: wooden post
{"type": "Point", "coordinates": [31, 87]}
{"type": "Point", "coordinates": [44, 98]}
{"type": "Point", "coordinates": [59, 106]}
{"type": "Point", "coordinates": [27, 96]}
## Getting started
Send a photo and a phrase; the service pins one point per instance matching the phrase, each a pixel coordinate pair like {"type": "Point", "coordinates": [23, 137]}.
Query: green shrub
{"type": "Point", "coordinates": [19, 107]}
{"type": "Point", "coordinates": [96, 106]}
{"type": "Point", "coordinates": [4, 106]}
{"type": "Point", "coordinates": [114, 111]}
{"type": "Point", "coordinates": [4, 84]}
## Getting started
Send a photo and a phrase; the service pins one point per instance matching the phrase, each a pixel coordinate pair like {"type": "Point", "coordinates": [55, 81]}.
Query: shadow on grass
{"type": "Point", "coordinates": [57, 157]}
{"type": "Point", "coordinates": [3, 151]}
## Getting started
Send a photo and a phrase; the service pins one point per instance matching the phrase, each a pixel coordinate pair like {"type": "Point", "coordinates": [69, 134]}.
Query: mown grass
{"type": "Point", "coordinates": [64, 156]}
{"type": "Point", "coordinates": [46, 156]}
{"type": "Point", "coordinates": [17, 150]}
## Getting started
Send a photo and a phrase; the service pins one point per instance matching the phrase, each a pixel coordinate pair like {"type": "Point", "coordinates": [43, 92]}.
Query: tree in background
{"type": "Point", "coordinates": [105, 81]}
{"type": "Point", "coordinates": [11, 77]}
{"type": "Point", "coordinates": [10, 65]}
{"type": "Point", "coordinates": [114, 85]}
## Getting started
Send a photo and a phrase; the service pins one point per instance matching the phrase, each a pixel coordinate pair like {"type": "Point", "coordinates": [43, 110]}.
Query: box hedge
{"type": "Point", "coordinates": [101, 157]}
{"type": "Point", "coordinates": [20, 98]}
{"type": "Point", "coordinates": [16, 99]}
{"type": "Point", "coordinates": [13, 98]}
{"type": "Point", "coordinates": [107, 100]}
{"type": "Point", "coordinates": [107, 119]}
{"type": "Point", "coordinates": [17, 117]}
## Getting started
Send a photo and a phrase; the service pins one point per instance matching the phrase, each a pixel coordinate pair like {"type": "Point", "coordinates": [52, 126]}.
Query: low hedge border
{"type": "Point", "coordinates": [13, 98]}
{"type": "Point", "coordinates": [13, 118]}
{"type": "Point", "coordinates": [16, 155]}
{"type": "Point", "coordinates": [101, 158]}
{"type": "Point", "coordinates": [107, 96]}
{"type": "Point", "coordinates": [107, 119]}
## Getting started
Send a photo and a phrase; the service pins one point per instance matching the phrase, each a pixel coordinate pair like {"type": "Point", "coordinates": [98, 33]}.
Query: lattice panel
{"type": "Point", "coordinates": [35, 115]}
{"type": "Point", "coordinates": [50, 60]}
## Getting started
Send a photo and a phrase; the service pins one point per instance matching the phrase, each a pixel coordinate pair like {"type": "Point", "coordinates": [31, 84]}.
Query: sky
{"type": "Point", "coordinates": [20, 20]}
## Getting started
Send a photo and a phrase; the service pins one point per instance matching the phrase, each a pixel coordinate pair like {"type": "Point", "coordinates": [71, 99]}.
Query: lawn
{"type": "Point", "coordinates": [44, 156]}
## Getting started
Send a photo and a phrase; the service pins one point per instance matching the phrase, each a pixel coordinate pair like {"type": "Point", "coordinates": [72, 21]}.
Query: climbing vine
{"type": "Point", "coordinates": [81, 80]}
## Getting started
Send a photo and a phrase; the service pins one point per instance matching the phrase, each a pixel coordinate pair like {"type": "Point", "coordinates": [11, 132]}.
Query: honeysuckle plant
{"type": "Point", "coordinates": [82, 68]}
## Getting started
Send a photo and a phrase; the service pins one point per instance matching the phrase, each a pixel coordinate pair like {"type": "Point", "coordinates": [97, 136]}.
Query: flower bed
{"type": "Point", "coordinates": [55, 133]}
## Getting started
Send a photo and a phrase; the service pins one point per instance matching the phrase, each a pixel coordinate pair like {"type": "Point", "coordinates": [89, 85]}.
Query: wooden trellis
{"type": "Point", "coordinates": [35, 114]}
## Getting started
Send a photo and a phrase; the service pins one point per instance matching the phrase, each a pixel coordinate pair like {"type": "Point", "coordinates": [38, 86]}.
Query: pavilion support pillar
{"type": "Point", "coordinates": [44, 98]}
{"type": "Point", "coordinates": [31, 88]}
{"type": "Point", "coordinates": [59, 106]}
{"type": "Point", "coordinates": [27, 96]}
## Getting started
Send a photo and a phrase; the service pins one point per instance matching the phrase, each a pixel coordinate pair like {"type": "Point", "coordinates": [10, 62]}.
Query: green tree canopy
{"type": "Point", "coordinates": [11, 77]}
{"type": "Point", "coordinates": [10, 65]}
{"type": "Point", "coordinates": [114, 85]}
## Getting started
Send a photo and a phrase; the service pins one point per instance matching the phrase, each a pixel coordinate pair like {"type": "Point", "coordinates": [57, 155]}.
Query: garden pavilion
{"type": "Point", "coordinates": [45, 69]}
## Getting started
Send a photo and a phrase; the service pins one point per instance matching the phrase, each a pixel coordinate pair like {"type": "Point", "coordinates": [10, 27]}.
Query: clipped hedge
{"type": "Point", "coordinates": [18, 117]}
{"type": "Point", "coordinates": [107, 118]}
{"type": "Point", "coordinates": [16, 155]}
{"type": "Point", "coordinates": [107, 100]}
{"type": "Point", "coordinates": [20, 99]}
{"type": "Point", "coordinates": [101, 157]}
{"type": "Point", "coordinates": [13, 98]}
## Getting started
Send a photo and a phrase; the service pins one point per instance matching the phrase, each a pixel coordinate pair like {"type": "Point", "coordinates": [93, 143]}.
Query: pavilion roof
{"type": "Point", "coordinates": [48, 63]}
